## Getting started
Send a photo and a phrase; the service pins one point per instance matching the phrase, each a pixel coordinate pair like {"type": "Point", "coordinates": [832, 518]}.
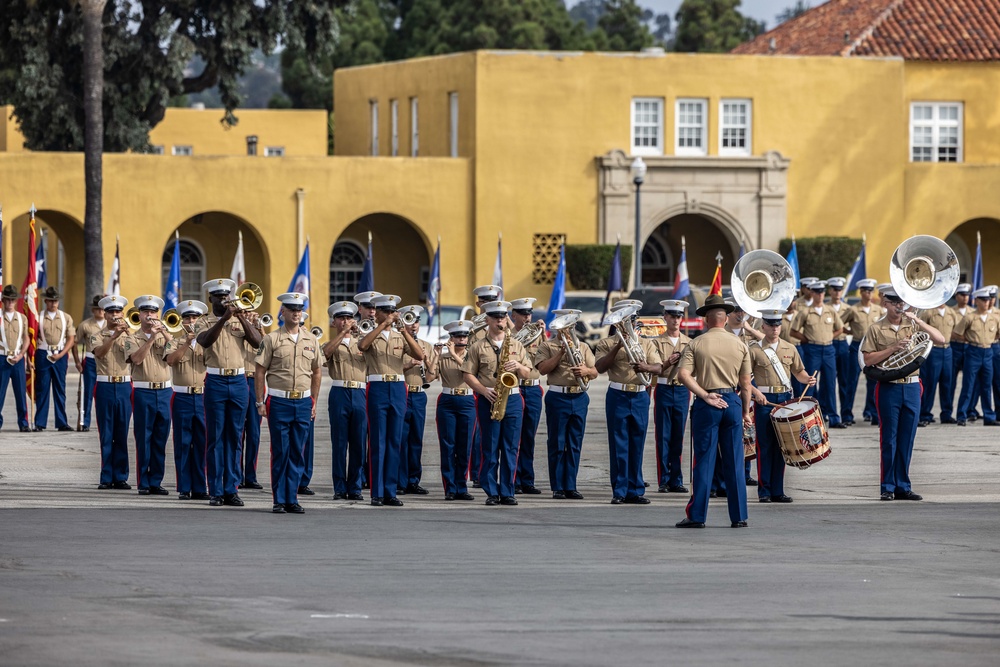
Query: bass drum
{"type": "Point", "coordinates": [801, 432]}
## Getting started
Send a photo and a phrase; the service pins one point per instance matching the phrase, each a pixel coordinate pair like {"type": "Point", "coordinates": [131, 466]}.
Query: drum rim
{"type": "Point", "coordinates": [807, 399]}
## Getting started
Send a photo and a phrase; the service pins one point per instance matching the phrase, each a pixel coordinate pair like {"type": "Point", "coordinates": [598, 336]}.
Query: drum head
{"type": "Point", "coordinates": [793, 409]}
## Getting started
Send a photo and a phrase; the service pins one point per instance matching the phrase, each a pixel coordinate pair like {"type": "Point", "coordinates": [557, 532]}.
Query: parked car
{"type": "Point", "coordinates": [651, 297]}
{"type": "Point", "coordinates": [591, 302]}
{"type": "Point", "coordinates": [430, 332]}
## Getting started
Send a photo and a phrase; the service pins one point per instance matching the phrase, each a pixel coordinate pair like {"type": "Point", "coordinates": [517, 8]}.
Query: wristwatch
{"type": "Point", "coordinates": [260, 403]}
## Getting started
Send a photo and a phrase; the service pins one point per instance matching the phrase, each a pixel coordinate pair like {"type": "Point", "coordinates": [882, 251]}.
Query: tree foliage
{"type": "Point", "coordinates": [147, 45]}
{"type": "Point", "coordinates": [823, 255]}
{"type": "Point", "coordinates": [788, 13]}
{"type": "Point", "coordinates": [713, 26]}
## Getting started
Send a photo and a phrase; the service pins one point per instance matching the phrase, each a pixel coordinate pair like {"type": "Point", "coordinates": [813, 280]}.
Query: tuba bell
{"type": "Point", "coordinates": [924, 272]}
{"type": "Point", "coordinates": [762, 280]}
{"type": "Point", "coordinates": [173, 322]}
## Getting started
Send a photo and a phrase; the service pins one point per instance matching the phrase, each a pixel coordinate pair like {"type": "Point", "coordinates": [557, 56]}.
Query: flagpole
{"type": "Point", "coordinates": [438, 303]}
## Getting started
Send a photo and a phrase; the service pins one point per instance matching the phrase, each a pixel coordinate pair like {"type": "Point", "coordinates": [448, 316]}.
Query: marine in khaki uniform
{"type": "Point", "coordinates": [842, 350]}
{"type": "Point", "coordinates": [716, 368]}
{"type": "Point", "coordinates": [250, 440]}
{"type": "Point", "coordinates": [56, 337]}
{"type": "Point", "coordinates": [741, 325]}
{"type": "Point", "coordinates": [936, 369]}
{"type": "Point", "coordinates": [482, 373]}
{"type": "Point", "coordinates": [626, 410]}
{"type": "Point", "coordinates": [856, 321]}
{"type": "Point", "coordinates": [774, 363]}
{"type": "Point", "coordinates": [566, 405]}
{"type": "Point", "coordinates": [187, 406]}
{"type": "Point", "coordinates": [484, 294]}
{"type": "Point", "coordinates": [671, 401]}
{"type": "Point", "coordinates": [456, 412]}
{"type": "Point", "coordinates": [221, 335]}
{"type": "Point", "coordinates": [897, 401]}
{"type": "Point", "coordinates": [347, 368]}
{"type": "Point", "coordinates": [289, 362]}
{"type": "Point", "coordinates": [13, 346]}
{"type": "Point", "coordinates": [418, 374]}
{"type": "Point", "coordinates": [978, 330]}
{"type": "Point", "coordinates": [87, 368]}
{"type": "Point", "coordinates": [816, 326]}
{"type": "Point", "coordinates": [531, 393]}
{"type": "Point", "coordinates": [113, 394]}
{"type": "Point", "coordinates": [152, 390]}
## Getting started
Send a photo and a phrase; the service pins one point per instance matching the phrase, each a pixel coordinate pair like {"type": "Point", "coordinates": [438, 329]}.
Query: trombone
{"type": "Point", "coordinates": [132, 319]}
{"type": "Point", "coordinates": [248, 296]}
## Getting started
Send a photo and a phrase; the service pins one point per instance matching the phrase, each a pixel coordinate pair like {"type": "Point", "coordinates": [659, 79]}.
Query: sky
{"type": "Point", "coordinates": [762, 10]}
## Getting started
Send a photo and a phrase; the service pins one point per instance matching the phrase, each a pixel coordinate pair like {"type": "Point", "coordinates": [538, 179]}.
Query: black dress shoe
{"type": "Point", "coordinates": [233, 500]}
{"type": "Point", "coordinates": [974, 416]}
{"type": "Point", "coordinates": [158, 491]}
{"type": "Point", "coordinates": [908, 495]}
{"type": "Point", "coordinates": [449, 496]}
{"type": "Point", "coordinates": [104, 486]}
{"type": "Point", "coordinates": [886, 496]}
{"type": "Point", "coordinates": [200, 496]}
{"type": "Point", "coordinates": [294, 508]}
{"type": "Point", "coordinates": [517, 491]}
{"type": "Point", "coordinates": [63, 429]}
{"type": "Point", "coordinates": [849, 422]}
{"type": "Point", "coordinates": [354, 496]}
{"type": "Point", "coordinates": [401, 491]}
{"type": "Point", "coordinates": [960, 422]}
{"type": "Point", "coordinates": [37, 429]}
{"type": "Point", "coordinates": [680, 488]}
{"type": "Point", "coordinates": [306, 491]}
{"type": "Point", "coordinates": [508, 500]}
{"type": "Point", "coordinates": [492, 500]}
{"type": "Point", "coordinates": [531, 490]}
{"type": "Point", "coordinates": [143, 492]}
{"type": "Point", "coordinates": [617, 500]}
{"type": "Point", "coordinates": [85, 429]}
{"type": "Point", "coordinates": [991, 422]}
{"type": "Point", "coordinates": [376, 502]}
{"type": "Point", "coordinates": [558, 495]}
{"type": "Point", "coordinates": [216, 501]}
{"type": "Point", "coordinates": [392, 501]}
{"type": "Point", "coordinates": [738, 524]}
{"type": "Point", "coordinates": [838, 425]}
{"type": "Point", "coordinates": [645, 485]}
{"type": "Point", "coordinates": [464, 495]}
{"type": "Point", "coordinates": [764, 499]}
{"type": "Point", "coordinates": [417, 489]}
{"type": "Point", "coordinates": [364, 485]}
{"type": "Point", "coordinates": [574, 495]}
{"type": "Point", "coordinates": [339, 496]}
{"type": "Point", "coordinates": [781, 499]}
{"type": "Point", "coordinates": [251, 485]}
{"type": "Point", "coordinates": [874, 422]}
{"type": "Point", "coordinates": [636, 500]}
{"type": "Point", "coordinates": [662, 489]}
{"type": "Point", "coordinates": [948, 420]}
{"type": "Point", "coordinates": [25, 429]}
{"type": "Point", "coordinates": [184, 495]}
{"type": "Point", "coordinates": [476, 485]}
{"type": "Point", "coordinates": [688, 523]}
{"type": "Point", "coordinates": [277, 508]}
{"type": "Point", "coordinates": [713, 494]}
{"type": "Point", "coordinates": [922, 424]}
{"type": "Point", "coordinates": [751, 481]}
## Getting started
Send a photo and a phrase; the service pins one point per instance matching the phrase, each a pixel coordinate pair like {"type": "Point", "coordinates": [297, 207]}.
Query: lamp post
{"type": "Point", "coordinates": [638, 170]}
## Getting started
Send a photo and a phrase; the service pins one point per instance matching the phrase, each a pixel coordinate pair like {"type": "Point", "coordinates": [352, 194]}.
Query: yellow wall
{"type": "Point", "coordinates": [300, 132]}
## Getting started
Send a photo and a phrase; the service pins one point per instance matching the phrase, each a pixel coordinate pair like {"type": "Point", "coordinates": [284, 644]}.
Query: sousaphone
{"type": "Point", "coordinates": [762, 280]}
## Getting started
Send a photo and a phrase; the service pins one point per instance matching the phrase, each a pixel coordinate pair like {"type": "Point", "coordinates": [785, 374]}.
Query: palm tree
{"type": "Point", "coordinates": [93, 142]}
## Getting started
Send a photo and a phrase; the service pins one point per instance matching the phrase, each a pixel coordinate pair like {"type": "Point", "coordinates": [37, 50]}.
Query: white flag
{"type": "Point", "coordinates": [239, 273]}
{"type": "Point", "coordinates": [498, 266]}
{"type": "Point", "coordinates": [114, 280]}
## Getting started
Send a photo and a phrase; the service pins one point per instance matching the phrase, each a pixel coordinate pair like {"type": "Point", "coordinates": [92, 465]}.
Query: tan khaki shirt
{"type": "Point", "coordinates": [115, 362]}
{"type": "Point", "coordinates": [449, 369]}
{"type": "Point", "coordinates": [786, 329]}
{"type": "Point", "coordinates": [881, 335]}
{"type": "Point", "coordinates": [620, 369]}
{"type": "Point", "coordinates": [249, 358]}
{"type": "Point", "coordinates": [481, 360]}
{"type": "Point", "coordinates": [857, 320]}
{"type": "Point", "coordinates": [743, 334]}
{"type": "Point", "coordinates": [289, 363]}
{"type": "Point", "coordinates": [977, 332]}
{"type": "Point", "coordinates": [944, 323]}
{"type": "Point", "coordinates": [347, 363]}
{"type": "Point", "coordinates": [841, 310]}
{"type": "Point", "coordinates": [667, 348]}
{"type": "Point", "coordinates": [763, 372]}
{"type": "Point", "coordinates": [561, 375]}
{"type": "Point", "coordinates": [818, 327]}
{"type": "Point", "coordinates": [413, 377]}
{"type": "Point", "coordinates": [52, 329]}
{"type": "Point", "coordinates": [11, 329]}
{"type": "Point", "coordinates": [88, 328]}
{"type": "Point", "coordinates": [190, 370]}
{"type": "Point", "coordinates": [717, 359]}
{"type": "Point", "coordinates": [227, 350]}
{"type": "Point", "coordinates": [154, 367]}
{"type": "Point", "coordinates": [385, 356]}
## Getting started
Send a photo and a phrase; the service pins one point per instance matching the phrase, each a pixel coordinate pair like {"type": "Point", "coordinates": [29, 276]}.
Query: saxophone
{"type": "Point", "coordinates": [505, 382]}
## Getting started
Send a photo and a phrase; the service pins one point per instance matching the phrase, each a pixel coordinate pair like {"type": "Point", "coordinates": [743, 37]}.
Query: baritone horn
{"type": "Point", "coordinates": [248, 296]}
{"type": "Point", "coordinates": [924, 272]}
{"type": "Point", "coordinates": [172, 321]}
{"type": "Point", "coordinates": [762, 280]}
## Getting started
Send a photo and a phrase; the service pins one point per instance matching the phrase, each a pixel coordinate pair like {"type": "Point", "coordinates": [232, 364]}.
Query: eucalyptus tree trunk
{"type": "Point", "coordinates": [93, 145]}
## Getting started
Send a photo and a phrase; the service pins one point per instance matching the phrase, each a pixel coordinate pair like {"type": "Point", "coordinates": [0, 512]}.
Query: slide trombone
{"type": "Point", "coordinates": [248, 296]}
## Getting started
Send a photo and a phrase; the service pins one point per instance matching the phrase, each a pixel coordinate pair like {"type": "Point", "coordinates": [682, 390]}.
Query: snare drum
{"type": "Point", "coordinates": [750, 438]}
{"type": "Point", "coordinates": [801, 432]}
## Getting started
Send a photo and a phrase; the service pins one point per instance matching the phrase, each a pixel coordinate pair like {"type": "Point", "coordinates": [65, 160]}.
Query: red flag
{"type": "Point", "coordinates": [29, 304]}
{"type": "Point", "coordinates": [717, 281]}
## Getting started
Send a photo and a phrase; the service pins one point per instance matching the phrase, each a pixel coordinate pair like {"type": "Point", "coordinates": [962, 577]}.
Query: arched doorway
{"type": "Point", "coordinates": [704, 239]}
{"type": "Point", "coordinates": [60, 237]}
{"type": "Point", "coordinates": [963, 241]}
{"type": "Point", "coordinates": [399, 255]}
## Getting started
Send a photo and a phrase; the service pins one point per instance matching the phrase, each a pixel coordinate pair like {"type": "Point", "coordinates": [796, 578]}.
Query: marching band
{"type": "Point", "coordinates": [211, 377]}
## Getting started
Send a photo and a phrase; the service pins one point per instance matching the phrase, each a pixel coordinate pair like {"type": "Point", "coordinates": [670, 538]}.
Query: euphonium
{"type": "Point", "coordinates": [505, 382]}
{"type": "Point", "coordinates": [529, 333]}
{"type": "Point", "coordinates": [479, 322]}
{"type": "Point", "coordinates": [172, 321]}
{"type": "Point", "coordinates": [621, 320]}
{"type": "Point", "coordinates": [562, 327]}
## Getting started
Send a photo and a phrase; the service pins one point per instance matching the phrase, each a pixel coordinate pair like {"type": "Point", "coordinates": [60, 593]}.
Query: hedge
{"type": "Point", "coordinates": [823, 256]}
{"type": "Point", "coordinates": [588, 265]}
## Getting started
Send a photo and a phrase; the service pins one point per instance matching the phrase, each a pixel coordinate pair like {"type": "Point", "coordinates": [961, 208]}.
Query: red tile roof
{"type": "Point", "coordinates": [930, 30]}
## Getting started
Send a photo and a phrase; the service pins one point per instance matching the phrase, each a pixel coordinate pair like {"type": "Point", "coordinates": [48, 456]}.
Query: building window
{"type": "Point", "coordinates": [157, 150]}
{"type": "Point", "coordinates": [274, 151]}
{"type": "Point", "coordinates": [453, 124]}
{"type": "Point", "coordinates": [425, 281]}
{"type": "Point", "coordinates": [414, 127]}
{"type": "Point", "coordinates": [394, 115]}
{"type": "Point", "coordinates": [374, 121]}
{"type": "Point", "coordinates": [182, 150]}
{"type": "Point", "coordinates": [545, 257]}
{"type": "Point", "coordinates": [346, 264]}
{"type": "Point", "coordinates": [936, 132]}
{"type": "Point", "coordinates": [734, 127]}
{"type": "Point", "coordinates": [691, 124]}
{"type": "Point", "coordinates": [657, 260]}
{"type": "Point", "coordinates": [192, 269]}
{"type": "Point", "coordinates": [647, 126]}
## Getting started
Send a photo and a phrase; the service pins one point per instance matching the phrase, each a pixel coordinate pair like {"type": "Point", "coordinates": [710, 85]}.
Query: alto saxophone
{"type": "Point", "coordinates": [505, 382]}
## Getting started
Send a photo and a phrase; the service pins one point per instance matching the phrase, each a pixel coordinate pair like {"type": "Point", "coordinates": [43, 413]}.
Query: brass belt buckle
{"type": "Point", "coordinates": [632, 388]}
{"type": "Point", "coordinates": [295, 394]}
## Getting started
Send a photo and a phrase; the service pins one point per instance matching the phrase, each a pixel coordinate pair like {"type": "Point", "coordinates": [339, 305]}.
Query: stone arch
{"type": "Point", "coordinates": [64, 258]}
{"type": "Point", "coordinates": [963, 241]}
{"type": "Point", "coordinates": [400, 254]}
{"type": "Point", "coordinates": [707, 231]}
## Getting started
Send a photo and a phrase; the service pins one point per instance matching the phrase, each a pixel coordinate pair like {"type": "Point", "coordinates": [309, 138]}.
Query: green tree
{"type": "Point", "coordinates": [624, 22]}
{"type": "Point", "coordinates": [588, 11]}
{"type": "Point", "coordinates": [800, 7]}
{"type": "Point", "coordinates": [713, 26]}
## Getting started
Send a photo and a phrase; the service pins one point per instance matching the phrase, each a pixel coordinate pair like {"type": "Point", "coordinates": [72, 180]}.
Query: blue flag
{"type": "Point", "coordinates": [40, 263]}
{"type": "Point", "coordinates": [367, 282]}
{"type": "Point", "coordinates": [793, 259]}
{"type": "Point", "coordinates": [614, 277]}
{"type": "Point", "coordinates": [558, 298]}
{"type": "Point", "coordinates": [172, 293]}
{"type": "Point", "coordinates": [977, 273]}
{"type": "Point", "coordinates": [743, 248]}
{"type": "Point", "coordinates": [858, 271]}
{"type": "Point", "coordinates": [434, 286]}
{"type": "Point", "coordinates": [300, 281]}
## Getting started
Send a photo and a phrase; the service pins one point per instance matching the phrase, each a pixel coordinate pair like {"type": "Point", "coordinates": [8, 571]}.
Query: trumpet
{"type": "Point", "coordinates": [248, 296]}
{"type": "Point", "coordinates": [317, 331]}
{"type": "Point", "coordinates": [266, 320]}
{"type": "Point", "coordinates": [366, 326]}
{"type": "Point", "coordinates": [132, 319]}
{"type": "Point", "coordinates": [172, 321]}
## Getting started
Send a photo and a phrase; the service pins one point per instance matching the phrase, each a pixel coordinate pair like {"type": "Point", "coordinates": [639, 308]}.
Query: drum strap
{"type": "Point", "coordinates": [776, 364]}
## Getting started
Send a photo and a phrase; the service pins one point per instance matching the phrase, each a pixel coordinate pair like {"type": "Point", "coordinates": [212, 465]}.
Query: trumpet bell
{"type": "Point", "coordinates": [409, 318]}
{"type": "Point", "coordinates": [317, 331]}
{"type": "Point", "coordinates": [133, 319]}
{"type": "Point", "coordinates": [172, 321]}
{"type": "Point", "coordinates": [266, 320]}
{"type": "Point", "coordinates": [366, 326]}
{"type": "Point", "coordinates": [762, 280]}
{"type": "Point", "coordinates": [924, 271]}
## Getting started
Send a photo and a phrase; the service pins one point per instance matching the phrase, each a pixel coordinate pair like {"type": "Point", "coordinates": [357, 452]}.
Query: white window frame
{"type": "Point", "coordinates": [633, 125]}
{"type": "Point", "coordinates": [936, 124]}
{"type": "Point", "coordinates": [414, 127]}
{"type": "Point", "coordinates": [747, 127]}
{"type": "Point", "coordinates": [394, 114]}
{"type": "Point", "coordinates": [158, 149]}
{"type": "Point", "coordinates": [274, 151]}
{"type": "Point", "coordinates": [185, 151]}
{"type": "Point", "coordinates": [373, 114]}
{"type": "Point", "coordinates": [678, 126]}
{"type": "Point", "coordinates": [453, 124]}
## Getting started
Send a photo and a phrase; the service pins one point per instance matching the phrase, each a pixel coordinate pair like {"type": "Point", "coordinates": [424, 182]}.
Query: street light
{"type": "Point", "coordinates": [638, 170]}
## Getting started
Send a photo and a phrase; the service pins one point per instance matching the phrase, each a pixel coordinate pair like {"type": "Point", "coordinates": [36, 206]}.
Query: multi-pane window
{"type": "Point", "coordinates": [734, 127]}
{"type": "Point", "coordinates": [936, 132]}
{"type": "Point", "coordinates": [647, 126]}
{"type": "Point", "coordinates": [274, 151]}
{"type": "Point", "coordinates": [414, 126]}
{"type": "Point", "coordinates": [692, 121]}
{"type": "Point", "coordinates": [158, 150]}
{"type": "Point", "coordinates": [192, 269]}
{"type": "Point", "coordinates": [182, 150]}
{"type": "Point", "coordinates": [346, 264]}
{"type": "Point", "coordinates": [373, 109]}
{"type": "Point", "coordinates": [453, 124]}
{"type": "Point", "coordinates": [394, 114]}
